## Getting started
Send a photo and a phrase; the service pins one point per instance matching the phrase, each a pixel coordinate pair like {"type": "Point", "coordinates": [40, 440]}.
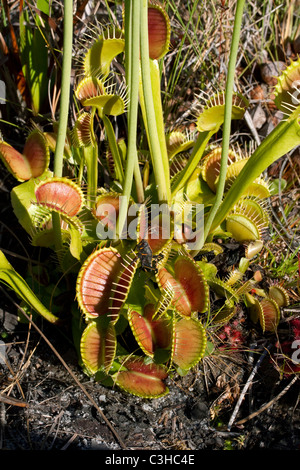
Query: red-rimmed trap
{"type": "Point", "coordinates": [143, 380]}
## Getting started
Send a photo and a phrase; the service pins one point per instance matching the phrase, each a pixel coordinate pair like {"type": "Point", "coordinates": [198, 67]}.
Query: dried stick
{"type": "Point", "coordinates": [244, 391]}
{"type": "Point", "coordinates": [270, 403]}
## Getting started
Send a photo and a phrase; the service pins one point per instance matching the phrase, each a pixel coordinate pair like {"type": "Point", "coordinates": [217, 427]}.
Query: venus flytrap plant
{"type": "Point", "coordinates": [34, 162]}
{"type": "Point", "coordinates": [137, 273]}
{"type": "Point", "coordinates": [84, 142]}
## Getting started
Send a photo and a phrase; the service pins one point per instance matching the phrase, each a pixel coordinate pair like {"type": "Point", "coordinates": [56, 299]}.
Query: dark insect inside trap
{"type": "Point", "coordinates": [148, 260]}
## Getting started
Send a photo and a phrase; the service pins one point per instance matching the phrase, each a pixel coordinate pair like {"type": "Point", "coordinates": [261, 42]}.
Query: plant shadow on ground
{"type": "Point", "coordinates": [52, 412]}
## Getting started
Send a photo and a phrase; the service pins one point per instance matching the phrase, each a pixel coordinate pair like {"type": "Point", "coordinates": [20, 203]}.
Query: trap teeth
{"type": "Point", "coordinates": [98, 346]}
{"type": "Point", "coordinates": [187, 284]}
{"type": "Point", "coordinates": [212, 116]}
{"type": "Point", "coordinates": [95, 281]}
{"type": "Point", "coordinates": [247, 223]}
{"type": "Point", "coordinates": [280, 295]}
{"type": "Point", "coordinates": [60, 195]}
{"type": "Point", "coordinates": [287, 89]}
{"type": "Point", "coordinates": [98, 58]}
{"type": "Point", "coordinates": [242, 228]}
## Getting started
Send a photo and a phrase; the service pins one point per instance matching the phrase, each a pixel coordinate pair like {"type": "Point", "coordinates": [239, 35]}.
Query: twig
{"type": "Point", "coordinates": [251, 126]}
{"type": "Point", "coordinates": [244, 391]}
{"type": "Point", "coordinates": [118, 438]}
{"type": "Point", "coordinates": [66, 445]}
{"type": "Point", "coordinates": [270, 403]}
{"type": "Point", "coordinates": [56, 424]}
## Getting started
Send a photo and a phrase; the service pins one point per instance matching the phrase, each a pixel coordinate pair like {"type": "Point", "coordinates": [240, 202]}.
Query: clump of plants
{"type": "Point", "coordinates": [141, 251]}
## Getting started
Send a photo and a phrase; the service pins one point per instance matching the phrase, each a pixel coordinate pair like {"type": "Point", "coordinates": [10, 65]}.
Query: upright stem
{"type": "Point", "coordinates": [132, 60]}
{"type": "Point", "coordinates": [113, 148]}
{"type": "Point", "coordinates": [155, 150]}
{"type": "Point", "coordinates": [132, 31]}
{"type": "Point", "coordinates": [64, 106]}
{"type": "Point", "coordinates": [193, 161]}
{"type": "Point", "coordinates": [227, 114]}
{"type": "Point", "coordinates": [65, 87]}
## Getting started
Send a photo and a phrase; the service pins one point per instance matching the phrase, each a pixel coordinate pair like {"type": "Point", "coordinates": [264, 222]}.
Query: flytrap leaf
{"type": "Point", "coordinates": [159, 31]}
{"type": "Point", "coordinates": [32, 162]}
{"type": "Point", "coordinates": [60, 195]}
{"type": "Point", "coordinates": [247, 221]}
{"type": "Point", "coordinates": [178, 142]}
{"type": "Point", "coordinates": [98, 346]}
{"type": "Point", "coordinates": [287, 90]}
{"type": "Point", "coordinates": [233, 170]}
{"type": "Point", "coordinates": [10, 277]}
{"type": "Point", "coordinates": [106, 210]}
{"type": "Point", "coordinates": [188, 285]}
{"type": "Point", "coordinates": [95, 281]}
{"type": "Point", "coordinates": [24, 203]}
{"type": "Point", "coordinates": [254, 210]}
{"type": "Point", "coordinates": [100, 55]}
{"type": "Point", "coordinates": [189, 343]}
{"type": "Point", "coordinates": [242, 228]}
{"type": "Point", "coordinates": [212, 116]}
{"type": "Point", "coordinates": [150, 334]}
{"type": "Point", "coordinates": [187, 272]}
{"type": "Point", "coordinates": [92, 92]}
{"type": "Point", "coordinates": [269, 314]}
{"type": "Point", "coordinates": [82, 133]}
{"type": "Point", "coordinates": [121, 285]}
{"type": "Point", "coordinates": [142, 380]}
{"type": "Point", "coordinates": [266, 311]}
{"type": "Point", "coordinates": [280, 295]}
{"type": "Point", "coordinates": [253, 248]}
{"type": "Point", "coordinates": [258, 188]}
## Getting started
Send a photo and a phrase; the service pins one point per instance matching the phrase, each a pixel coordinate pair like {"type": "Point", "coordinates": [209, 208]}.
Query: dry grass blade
{"type": "Point", "coordinates": [244, 391]}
